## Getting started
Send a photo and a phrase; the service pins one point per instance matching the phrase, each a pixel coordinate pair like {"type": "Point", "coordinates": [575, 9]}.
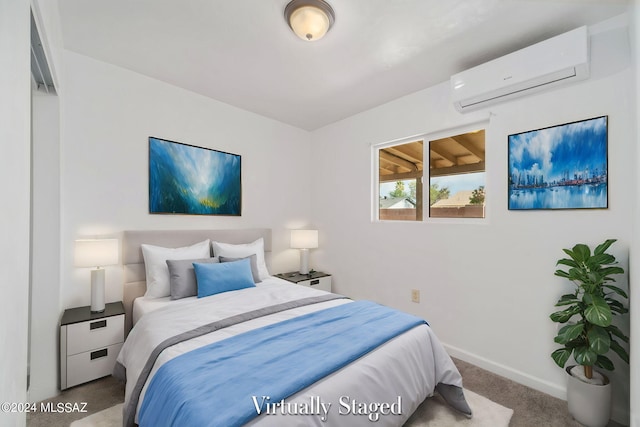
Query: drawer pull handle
{"type": "Point", "coordinates": [97, 325]}
{"type": "Point", "coordinates": [99, 353]}
{"type": "Point", "coordinates": [315, 282]}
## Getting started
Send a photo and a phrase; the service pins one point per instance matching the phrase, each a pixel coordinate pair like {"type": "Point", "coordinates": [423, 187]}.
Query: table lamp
{"type": "Point", "coordinates": [96, 253]}
{"type": "Point", "coordinates": [304, 240]}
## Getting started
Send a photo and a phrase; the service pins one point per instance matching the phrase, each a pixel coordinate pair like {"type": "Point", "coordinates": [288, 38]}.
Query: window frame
{"type": "Point", "coordinates": [375, 175]}
{"type": "Point", "coordinates": [453, 131]}
{"type": "Point", "coordinates": [426, 177]}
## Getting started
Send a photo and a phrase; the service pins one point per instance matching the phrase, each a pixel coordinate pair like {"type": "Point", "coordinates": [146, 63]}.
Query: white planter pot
{"type": "Point", "coordinates": [589, 404]}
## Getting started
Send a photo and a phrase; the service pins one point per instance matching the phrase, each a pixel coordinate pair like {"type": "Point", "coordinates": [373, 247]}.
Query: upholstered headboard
{"type": "Point", "coordinates": [134, 273]}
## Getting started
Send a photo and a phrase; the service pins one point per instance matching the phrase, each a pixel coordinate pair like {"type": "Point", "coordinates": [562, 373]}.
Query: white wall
{"type": "Point", "coordinates": [45, 253]}
{"type": "Point", "coordinates": [634, 255]}
{"type": "Point", "coordinates": [15, 137]}
{"type": "Point", "coordinates": [488, 289]}
{"type": "Point", "coordinates": [108, 113]}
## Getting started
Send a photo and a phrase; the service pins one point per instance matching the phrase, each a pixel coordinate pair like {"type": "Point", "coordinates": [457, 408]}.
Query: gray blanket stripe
{"type": "Point", "coordinates": [128, 419]}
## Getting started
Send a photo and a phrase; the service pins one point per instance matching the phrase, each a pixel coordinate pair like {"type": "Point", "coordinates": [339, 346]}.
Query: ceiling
{"type": "Point", "coordinates": [242, 52]}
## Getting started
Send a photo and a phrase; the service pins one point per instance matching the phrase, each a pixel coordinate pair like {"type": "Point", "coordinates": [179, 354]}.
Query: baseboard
{"type": "Point", "coordinates": [507, 372]}
{"type": "Point", "coordinates": [617, 414]}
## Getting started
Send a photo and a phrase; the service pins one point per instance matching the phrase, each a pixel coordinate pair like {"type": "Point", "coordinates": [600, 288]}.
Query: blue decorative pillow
{"type": "Point", "coordinates": [254, 265]}
{"type": "Point", "coordinates": [224, 277]}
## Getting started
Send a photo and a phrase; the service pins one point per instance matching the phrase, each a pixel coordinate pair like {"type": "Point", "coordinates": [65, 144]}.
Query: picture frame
{"type": "Point", "coordinates": [191, 180]}
{"type": "Point", "coordinates": [559, 167]}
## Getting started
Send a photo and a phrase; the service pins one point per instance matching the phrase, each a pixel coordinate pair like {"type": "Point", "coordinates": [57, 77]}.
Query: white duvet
{"type": "Point", "coordinates": [405, 369]}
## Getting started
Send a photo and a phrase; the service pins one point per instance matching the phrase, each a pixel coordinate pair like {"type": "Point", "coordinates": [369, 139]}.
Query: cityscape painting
{"type": "Point", "coordinates": [559, 167]}
{"type": "Point", "coordinates": [184, 179]}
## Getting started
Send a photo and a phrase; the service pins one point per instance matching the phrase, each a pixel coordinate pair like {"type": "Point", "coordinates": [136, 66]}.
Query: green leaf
{"type": "Point", "coordinates": [591, 282]}
{"type": "Point", "coordinates": [568, 333]}
{"type": "Point", "coordinates": [597, 311]}
{"type": "Point", "coordinates": [599, 340]}
{"type": "Point", "coordinates": [601, 248]}
{"type": "Point", "coordinates": [585, 356]}
{"type": "Point", "coordinates": [601, 259]}
{"type": "Point", "coordinates": [616, 306]}
{"type": "Point", "coordinates": [621, 352]}
{"type": "Point", "coordinates": [617, 332]}
{"type": "Point", "coordinates": [617, 290]}
{"type": "Point", "coordinates": [566, 314]}
{"type": "Point", "coordinates": [604, 363]}
{"type": "Point", "coordinates": [611, 270]}
{"type": "Point", "coordinates": [561, 356]}
{"type": "Point", "coordinates": [570, 253]}
{"type": "Point", "coordinates": [568, 262]}
{"type": "Point", "coordinates": [562, 273]}
{"type": "Point", "coordinates": [567, 299]}
{"type": "Point", "coordinates": [581, 252]}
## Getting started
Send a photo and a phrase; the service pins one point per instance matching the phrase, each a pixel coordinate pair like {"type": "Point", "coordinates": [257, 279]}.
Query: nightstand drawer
{"type": "Point", "coordinates": [94, 334]}
{"type": "Point", "coordinates": [322, 283]}
{"type": "Point", "coordinates": [90, 365]}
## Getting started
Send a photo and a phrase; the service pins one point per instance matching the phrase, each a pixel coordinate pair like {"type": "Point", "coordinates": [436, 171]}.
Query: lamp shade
{"type": "Point", "coordinates": [96, 252]}
{"type": "Point", "coordinates": [304, 239]}
{"type": "Point", "coordinates": [309, 19]}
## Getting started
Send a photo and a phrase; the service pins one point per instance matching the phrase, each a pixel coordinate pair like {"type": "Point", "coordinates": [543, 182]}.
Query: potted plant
{"type": "Point", "coordinates": [588, 333]}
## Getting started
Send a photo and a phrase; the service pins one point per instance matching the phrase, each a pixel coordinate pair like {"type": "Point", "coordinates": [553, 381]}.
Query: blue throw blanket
{"type": "Point", "coordinates": [213, 385]}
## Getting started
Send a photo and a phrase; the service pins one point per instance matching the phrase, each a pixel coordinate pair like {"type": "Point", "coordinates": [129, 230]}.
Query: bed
{"type": "Point", "coordinates": [173, 340]}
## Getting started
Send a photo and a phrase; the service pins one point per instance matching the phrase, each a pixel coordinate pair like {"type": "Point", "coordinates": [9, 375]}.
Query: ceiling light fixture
{"type": "Point", "coordinates": [309, 19]}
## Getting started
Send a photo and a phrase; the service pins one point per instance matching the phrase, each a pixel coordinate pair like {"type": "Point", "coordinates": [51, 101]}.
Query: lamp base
{"type": "Point", "coordinates": [97, 290]}
{"type": "Point", "coordinates": [304, 261]}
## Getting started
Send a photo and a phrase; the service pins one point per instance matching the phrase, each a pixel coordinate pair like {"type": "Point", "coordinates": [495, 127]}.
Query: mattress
{"type": "Point", "coordinates": [144, 305]}
{"type": "Point", "coordinates": [407, 368]}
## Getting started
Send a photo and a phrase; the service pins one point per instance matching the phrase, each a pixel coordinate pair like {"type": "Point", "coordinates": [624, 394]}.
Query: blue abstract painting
{"type": "Point", "coordinates": [184, 179]}
{"type": "Point", "coordinates": [559, 167]}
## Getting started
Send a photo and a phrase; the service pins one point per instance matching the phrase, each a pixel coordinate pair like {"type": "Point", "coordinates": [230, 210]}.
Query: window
{"type": "Point", "coordinates": [400, 181]}
{"type": "Point", "coordinates": [457, 176]}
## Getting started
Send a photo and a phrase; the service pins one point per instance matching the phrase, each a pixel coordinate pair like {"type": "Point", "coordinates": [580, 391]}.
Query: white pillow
{"type": "Point", "coordinates": [244, 250]}
{"type": "Point", "coordinates": [155, 265]}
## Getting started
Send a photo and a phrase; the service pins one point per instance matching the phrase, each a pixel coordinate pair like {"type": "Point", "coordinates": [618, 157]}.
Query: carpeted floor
{"type": "Point", "coordinates": [99, 394]}
{"type": "Point", "coordinates": [434, 412]}
{"type": "Point", "coordinates": [531, 408]}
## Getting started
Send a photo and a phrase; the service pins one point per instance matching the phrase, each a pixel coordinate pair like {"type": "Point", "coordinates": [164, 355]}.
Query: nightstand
{"type": "Point", "coordinates": [316, 280]}
{"type": "Point", "coordinates": [89, 343]}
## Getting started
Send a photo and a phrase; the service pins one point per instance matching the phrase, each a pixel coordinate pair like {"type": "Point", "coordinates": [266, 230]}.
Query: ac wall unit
{"type": "Point", "coordinates": [558, 60]}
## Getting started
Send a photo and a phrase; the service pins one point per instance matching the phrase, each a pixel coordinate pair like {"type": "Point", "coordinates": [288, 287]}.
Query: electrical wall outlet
{"type": "Point", "coordinates": [415, 295]}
